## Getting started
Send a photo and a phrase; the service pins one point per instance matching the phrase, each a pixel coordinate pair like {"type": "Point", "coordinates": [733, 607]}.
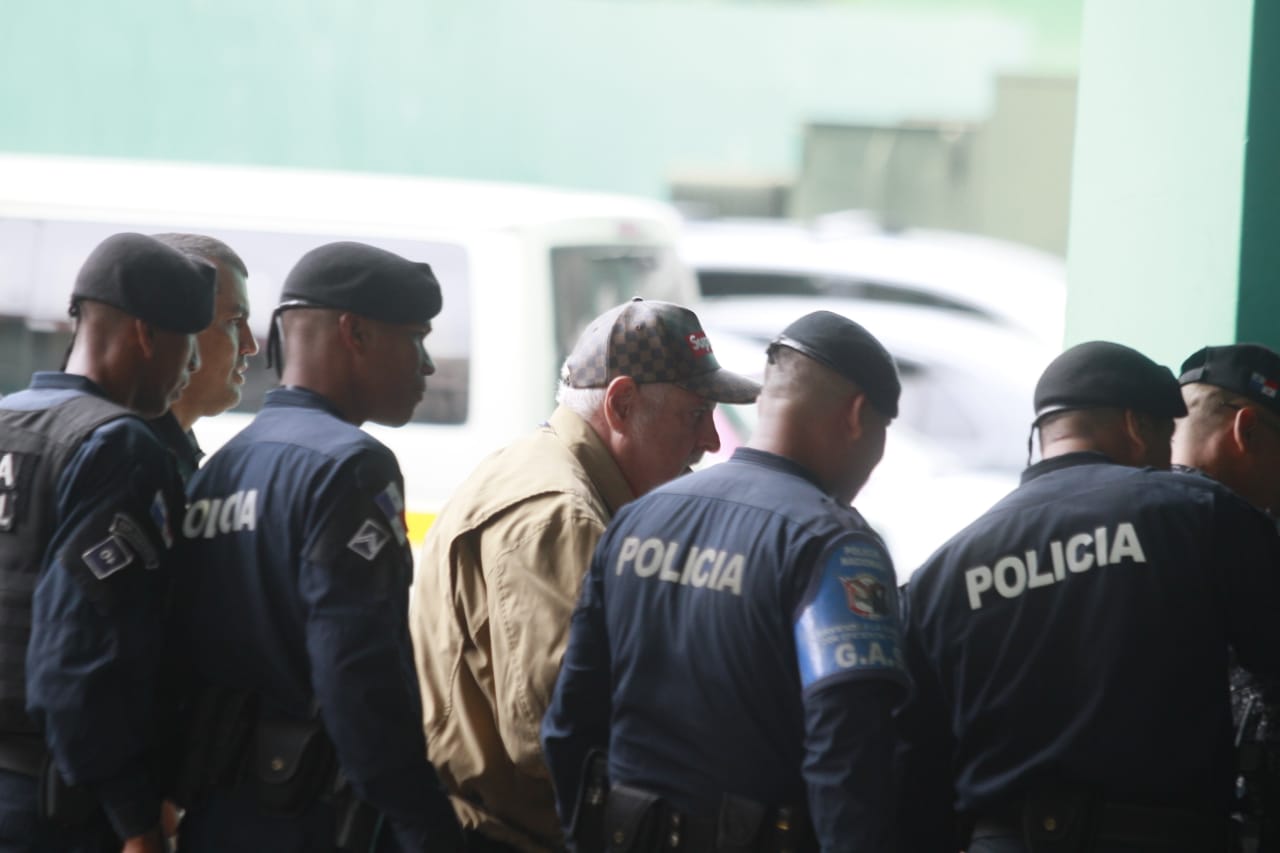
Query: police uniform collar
{"type": "Point", "coordinates": [754, 456]}
{"type": "Point", "coordinates": [56, 379]}
{"type": "Point", "coordinates": [1065, 460]}
{"type": "Point", "coordinates": [296, 396]}
{"type": "Point", "coordinates": [181, 441]}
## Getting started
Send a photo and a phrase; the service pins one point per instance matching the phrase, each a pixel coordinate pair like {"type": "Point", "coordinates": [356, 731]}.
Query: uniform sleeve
{"type": "Point", "coordinates": [1247, 555]}
{"type": "Point", "coordinates": [848, 764]}
{"type": "Point", "coordinates": [926, 818]}
{"type": "Point", "coordinates": [533, 574]}
{"type": "Point", "coordinates": [577, 723]}
{"type": "Point", "coordinates": [848, 648]}
{"type": "Point", "coordinates": [92, 660]}
{"type": "Point", "coordinates": [354, 583]}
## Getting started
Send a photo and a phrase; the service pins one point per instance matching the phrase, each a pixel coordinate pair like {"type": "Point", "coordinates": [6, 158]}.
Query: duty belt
{"type": "Point", "coordinates": [1050, 823]}
{"type": "Point", "coordinates": [638, 821]}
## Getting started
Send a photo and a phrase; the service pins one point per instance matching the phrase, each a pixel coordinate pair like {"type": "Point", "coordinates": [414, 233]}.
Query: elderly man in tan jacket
{"type": "Point", "coordinates": [501, 568]}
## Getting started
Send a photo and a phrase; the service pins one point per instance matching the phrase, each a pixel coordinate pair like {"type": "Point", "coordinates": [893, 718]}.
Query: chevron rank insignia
{"type": "Point", "coordinates": [369, 539]}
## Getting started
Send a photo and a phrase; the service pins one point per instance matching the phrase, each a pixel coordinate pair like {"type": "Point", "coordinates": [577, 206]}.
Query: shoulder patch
{"type": "Point", "coordinates": [131, 532]}
{"type": "Point", "coordinates": [107, 557]}
{"type": "Point", "coordinates": [390, 501]}
{"type": "Point", "coordinates": [849, 623]}
{"type": "Point", "coordinates": [370, 539]}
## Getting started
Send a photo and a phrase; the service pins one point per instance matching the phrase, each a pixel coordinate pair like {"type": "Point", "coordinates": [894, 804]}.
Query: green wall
{"type": "Point", "coordinates": [1174, 228]}
{"type": "Point", "coordinates": [603, 94]}
{"type": "Point", "coordinates": [1258, 304]}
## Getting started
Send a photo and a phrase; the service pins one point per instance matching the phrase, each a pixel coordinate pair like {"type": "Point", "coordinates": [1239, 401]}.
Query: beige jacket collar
{"type": "Point", "coordinates": [588, 448]}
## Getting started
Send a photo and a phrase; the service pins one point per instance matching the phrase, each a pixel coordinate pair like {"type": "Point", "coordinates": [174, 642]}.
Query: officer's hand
{"type": "Point", "coordinates": [149, 842]}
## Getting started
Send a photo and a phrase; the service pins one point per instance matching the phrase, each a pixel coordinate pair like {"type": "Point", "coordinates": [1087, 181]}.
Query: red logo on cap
{"type": "Point", "coordinates": [699, 344]}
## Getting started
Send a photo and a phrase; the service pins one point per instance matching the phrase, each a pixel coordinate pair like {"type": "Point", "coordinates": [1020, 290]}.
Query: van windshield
{"type": "Point", "coordinates": [586, 281]}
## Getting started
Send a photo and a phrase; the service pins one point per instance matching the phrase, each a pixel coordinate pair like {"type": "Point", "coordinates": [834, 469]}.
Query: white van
{"type": "Point", "coordinates": [523, 269]}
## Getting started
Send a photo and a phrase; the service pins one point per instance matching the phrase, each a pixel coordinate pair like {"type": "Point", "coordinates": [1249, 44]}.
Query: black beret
{"type": "Point", "coordinates": [1105, 374]}
{"type": "Point", "coordinates": [363, 280]}
{"type": "Point", "coordinates": [1250, 370]}
{"type": "Point", "coordinates": [849, 350]}
{"type": "Point", "coordinates": [149, 280]}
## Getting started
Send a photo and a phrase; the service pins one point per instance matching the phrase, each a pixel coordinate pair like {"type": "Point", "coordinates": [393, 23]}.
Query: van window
{"type": "Point", "coordinates": [24, 350]}
{"type": "Point", "coordinates": [589, 280]}
{"type": "Point", "coordinates": [39, 260]}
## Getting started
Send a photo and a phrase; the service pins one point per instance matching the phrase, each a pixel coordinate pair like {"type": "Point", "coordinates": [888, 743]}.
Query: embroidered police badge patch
{"type": "Point", "coordinates": [107, 557]}
{"type": "Point", "coordinates": [848, 625]}
{"type": "Point", "coordinates": [369, 539]}
{"type": "Point", "coordinates": [866, 596]}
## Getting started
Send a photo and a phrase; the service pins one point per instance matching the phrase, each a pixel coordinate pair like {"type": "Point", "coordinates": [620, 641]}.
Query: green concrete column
{"type": "Point", "coordinates": [1175, 219]}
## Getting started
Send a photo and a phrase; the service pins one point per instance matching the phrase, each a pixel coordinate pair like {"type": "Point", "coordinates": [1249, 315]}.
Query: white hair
{"type": "Point", "coordinates": [586, 403]}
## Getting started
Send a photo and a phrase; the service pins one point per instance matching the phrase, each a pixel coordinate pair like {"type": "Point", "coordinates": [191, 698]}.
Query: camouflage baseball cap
{"type": "Point", "coordinates": [653, 342]}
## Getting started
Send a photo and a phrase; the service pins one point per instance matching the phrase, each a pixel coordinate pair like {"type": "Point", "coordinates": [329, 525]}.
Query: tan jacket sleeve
{"type": "Point", "coordinates": [533, 566]}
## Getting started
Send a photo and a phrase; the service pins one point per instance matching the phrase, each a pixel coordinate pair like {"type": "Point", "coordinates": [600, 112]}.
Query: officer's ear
{"type": "Point", "coordinates": [1244, 429]}
{"type": "Point", "coordinates": [145, 337]}
{"type": "Point", "coordinates": [353, 331]}
{"type": "Point", "coordinates": [1149, 439]}
{"type": "Point", "coordinates": [856, 412]}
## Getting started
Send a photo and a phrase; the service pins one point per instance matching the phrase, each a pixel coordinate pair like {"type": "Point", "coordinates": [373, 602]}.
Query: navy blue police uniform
{"type": "Point", "coordinates": [1069, 654]}
{"type": "Point", "coordinates": [181, 444]}
{"type": "Point", "coordinates": [297, 595]}
{"type": "Point", "coordinates": [94, 604]}
{"type": "Point", "coordinates": [299, 577]}
{"type": "Point", "coordinates": [1250, 372]}
{"type": "Point", "coordinates": [736, 652]}
{"type": "Point", "coordinates": [89, 501]}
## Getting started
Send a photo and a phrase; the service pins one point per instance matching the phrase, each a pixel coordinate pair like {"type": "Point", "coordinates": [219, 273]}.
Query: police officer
{"type": "Point", "coordinates": [736, 645]}
{"type": "Point", "coordinates": [1232, 428]}
{"type": "Point", "coordinates": [88, 504]}
{"type": "Point", "coordinates": [295, 602]}
{"type": "Point", "coordinates": [1232, 433]}
{"type": "Point", "coordinates": [1069, 649]}
{"type": "Point", "coordinates": [225, 347]}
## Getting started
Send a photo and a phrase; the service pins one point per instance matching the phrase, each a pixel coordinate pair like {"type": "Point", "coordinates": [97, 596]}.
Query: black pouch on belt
{"type": "Point", "coordinates": [632, 820]}
{"type": "Point", "coordinates": [293, 764]}
{"type": "Point", "coordinates": [738, 824]}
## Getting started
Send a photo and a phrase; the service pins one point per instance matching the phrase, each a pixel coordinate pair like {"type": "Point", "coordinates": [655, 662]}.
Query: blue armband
{"type": "Point", "coordinates": [848, 622]}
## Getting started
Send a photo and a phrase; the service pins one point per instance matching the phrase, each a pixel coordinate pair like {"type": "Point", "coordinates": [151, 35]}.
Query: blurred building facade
{"type": "Point", "coordinates": [614, 95]}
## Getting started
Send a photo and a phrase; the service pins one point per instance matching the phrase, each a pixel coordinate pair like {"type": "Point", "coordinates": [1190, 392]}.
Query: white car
{"type": "Point", "coordinates": [846, 255]}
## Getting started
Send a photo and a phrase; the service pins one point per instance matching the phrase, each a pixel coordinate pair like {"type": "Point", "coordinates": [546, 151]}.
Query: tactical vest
{"type": "Point", "coordinates": [35, 447]}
